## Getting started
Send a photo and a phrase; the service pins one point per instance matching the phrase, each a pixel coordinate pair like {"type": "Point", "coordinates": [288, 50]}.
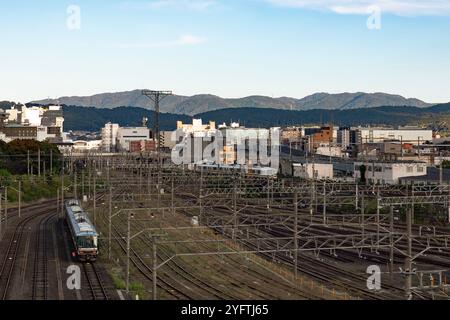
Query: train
{"type": "Point", "coordinates": [248, 170]}
{"type": "Point", "coordinates": [83, 233]}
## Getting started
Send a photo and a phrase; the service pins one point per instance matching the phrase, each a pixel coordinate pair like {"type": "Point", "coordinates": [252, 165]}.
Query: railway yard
{"type": "Point", "coordinates": [169, 233]}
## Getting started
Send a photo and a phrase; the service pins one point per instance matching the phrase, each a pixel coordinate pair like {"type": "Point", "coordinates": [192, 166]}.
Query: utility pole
{"type": "Point", "coordinates": [155, 269]}
{"type": "Point", "coordinates": [95, 195]}
{"type": "Point", "coordinates": [39, 162]}
{"type": "Point", "coordinates": [109, 222]}
{"type": "Point", "coordinates": [408, 260]}
{"type": "Point", "coordinates": [173, 193]}
{"type": "Point", "coordinates": [6, 206]}
{"type": "Point", "coordinates": [1, 216]}
{"type": "Point", "coordinates": [75, 193]}
{"type": "Point", "coordinates": [57, 202]}
{"type": "Point", "coordinates": [235, 211]}
{"type": "Point", "coordinates": [324, 209]}
{"type": "Point", "coordinates": [128, 252]}
{"type": "Point", "coordinates": [20, 198]}
{"type": "Point", "coordinates": [62, 191]}
{"type": "Point", "coordinates": [391, 241]}
{"type": "Point", "coordinates": [51, 162]}
{"type": "Point", "coordinates": [28, 162]}
{"type": "Point", "coordinates": [295, 234]}
{"type": "Point", "coordinates": [362, 213]}
{"type": "Point", "coordinates": [157, 97]}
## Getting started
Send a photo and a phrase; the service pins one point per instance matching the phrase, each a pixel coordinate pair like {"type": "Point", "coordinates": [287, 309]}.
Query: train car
{"type": "Point", "coordinates": [233, 168]}
{"type": "Point", "coordinates": [83, 233]}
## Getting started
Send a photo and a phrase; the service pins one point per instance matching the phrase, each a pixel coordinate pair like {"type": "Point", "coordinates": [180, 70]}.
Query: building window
{"type": "Point", "coordinates": [420, 169]}
{"type": "Point", "coordinates": [409, 169]}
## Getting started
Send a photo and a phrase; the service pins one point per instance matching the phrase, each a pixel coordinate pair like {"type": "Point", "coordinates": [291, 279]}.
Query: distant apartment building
{"type": "Point", "coordinates": [291, 135]}
{"type": "Point", "coordinates": [109, 137]}
{"type": "Point", "coordinates": [344, 138]}
{"type": "Point", "coordinates": [323, 137]}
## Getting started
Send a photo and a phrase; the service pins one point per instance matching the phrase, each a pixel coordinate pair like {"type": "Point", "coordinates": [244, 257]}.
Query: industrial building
{"type": "Point", "coordinates": [127, 135]}
{"type": "Point", "coordinates": [388, 172]}
{"type": "Point", "coordinates": [128, 139]}
{"type": "Point", "coordinates": [196, 126]}
{"type": "Point", "coordinates": [413, 135]}
{"type": "Point", "coordinates": [317, 171]}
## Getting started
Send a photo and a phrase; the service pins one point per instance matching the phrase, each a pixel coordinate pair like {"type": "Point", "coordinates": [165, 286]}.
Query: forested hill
{"type": "Point", "coordinates": [92, 119]}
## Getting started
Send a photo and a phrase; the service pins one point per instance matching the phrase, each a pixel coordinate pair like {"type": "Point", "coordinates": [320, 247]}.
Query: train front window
{"type": "Point", "coordinates": [87, 242]}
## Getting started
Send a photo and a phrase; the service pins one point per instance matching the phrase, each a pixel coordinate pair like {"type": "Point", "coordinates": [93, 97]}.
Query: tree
{"type": "Point", "coordinates": [362, 171]}
{"type": "Point", "coordinates": [14, 155]}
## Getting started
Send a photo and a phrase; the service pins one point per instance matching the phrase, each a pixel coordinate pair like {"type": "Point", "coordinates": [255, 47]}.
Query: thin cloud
{"type": "Point", "coordinates": [397, 7]}
{"type": "Point", "coordinates": [184, 40]}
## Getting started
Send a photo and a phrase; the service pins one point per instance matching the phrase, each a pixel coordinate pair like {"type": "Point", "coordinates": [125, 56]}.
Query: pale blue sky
{"type": "Point", "coordinates": [230, 48]}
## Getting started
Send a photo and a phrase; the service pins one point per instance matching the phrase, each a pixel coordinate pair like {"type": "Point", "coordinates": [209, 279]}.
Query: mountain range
{"type": "Point", "coordinates": [193, 105]}
{"type": "Point", "coordinates": [93, 119]}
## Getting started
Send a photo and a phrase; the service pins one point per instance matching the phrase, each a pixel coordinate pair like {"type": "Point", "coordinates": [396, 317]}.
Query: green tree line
{"type": "Point", "coordinates": [19, 156]}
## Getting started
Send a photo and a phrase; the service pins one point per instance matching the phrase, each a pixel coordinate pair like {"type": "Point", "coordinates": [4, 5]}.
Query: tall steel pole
{"type": "Point", "coordinates": [155, 269]}
{"type": "Point", "coordinates": [109, 222]}
{"type": "Point", "coordinates": [1, 216]}
{"type": "Point", "coordinates": [391, 241]}
{"type": "Point", "coordinates": [62, 191]}
{"type": "Point", "coordinates": [408, 260]}
{"type": "Point", "coordinates": [295, 234]}
{"type": "Point", "coordinates": [6, 206]}
{"type": "Point", "coordinates": [157, 97]}
{"type": "Point", "coordinates": [20, 198]}
{"type": "Point", "coordinates": [39, 162]}
{"type": "Point", "coordinates": [95, 196]}
{"type": "Point", "coordinates": [128, 253]}
{"type": "Point", "coordinates": [28, 162]}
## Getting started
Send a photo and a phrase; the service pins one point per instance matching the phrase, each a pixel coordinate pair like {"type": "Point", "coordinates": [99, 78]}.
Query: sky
{"type": "Point", "coordinates": [230, 48]}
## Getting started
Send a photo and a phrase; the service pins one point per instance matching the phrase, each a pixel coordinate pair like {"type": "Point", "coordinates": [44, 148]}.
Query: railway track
{"type": "Point", "coordinates": [95, 282]}
{"type": "Point", "coordinates": [12, 252]}
{"type": "Point", "coordinates": [329, 271]}
{"type": "Point", "coordinates": [145, 270]}
{"type": "Point", "coordinates": [40, 275]}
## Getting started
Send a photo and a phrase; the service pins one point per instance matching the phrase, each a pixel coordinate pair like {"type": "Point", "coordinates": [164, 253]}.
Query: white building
{"type": "Point", "coordinates": [330, 151]}
{"type": "Point", "coordinates": [196, 126]}
{"type": "Point", "coordinates": [407, 135]}
{"type": "Point", "coordinates": [129, 134]}
{"type": "Point", "coordinates": [81, 145]}
{"type": "Point", "coordinates": [343, 138]}
{"type": "Point", "coordinates": [109, 137]}
{"type": "Point", "coordinates": [389, 172]}
{"type": "Point", "coordinates": [34, 123]}
{"type": "Point", "coordinates": [313, 170]}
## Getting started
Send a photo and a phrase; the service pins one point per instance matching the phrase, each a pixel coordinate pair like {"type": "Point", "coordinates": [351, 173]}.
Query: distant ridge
{"type": "Point", "coordinates": [205, 102]}
{"type": "Point", "coordinates": [92, 119]}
